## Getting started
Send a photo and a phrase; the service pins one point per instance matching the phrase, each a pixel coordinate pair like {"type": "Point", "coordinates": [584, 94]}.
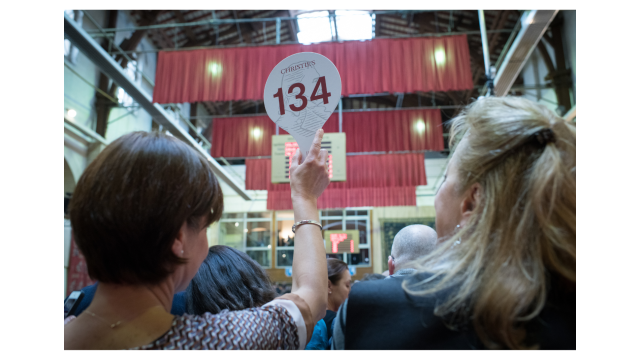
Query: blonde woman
{"type": "Point", "coordinates": [504, 273]}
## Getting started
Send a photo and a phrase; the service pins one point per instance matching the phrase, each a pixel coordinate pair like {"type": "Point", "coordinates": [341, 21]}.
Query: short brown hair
{"type": "Point", "coordinates": [335, 268]}
{"type": "Point", "coordinates": [131, 202]}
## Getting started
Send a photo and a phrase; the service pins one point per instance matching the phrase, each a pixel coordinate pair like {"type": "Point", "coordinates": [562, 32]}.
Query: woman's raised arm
{"type": "Point", "coordinates": [308, 181]}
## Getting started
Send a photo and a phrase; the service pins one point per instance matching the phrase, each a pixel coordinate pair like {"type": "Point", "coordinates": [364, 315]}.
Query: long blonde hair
{"type": "Point", "coordinates": [522, 231]}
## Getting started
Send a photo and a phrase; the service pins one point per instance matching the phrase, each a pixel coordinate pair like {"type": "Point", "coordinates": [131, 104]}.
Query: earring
{"type": "Point", "coordinates": [329, 292]}
{"type": "Point", "coordinates": [182, 252]}
{"type": "Point", "coordinates": [457, 241]}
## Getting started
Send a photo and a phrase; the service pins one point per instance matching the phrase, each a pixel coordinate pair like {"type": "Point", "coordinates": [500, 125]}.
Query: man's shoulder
{"type": "Point", "coordinates": [374, 291]}
{"type": "Point", "coordinates": [374, 284]}
{"type": "Point", "coordinates": [401, 273]}
{"type": "Point", "coordinates": [391, 291]}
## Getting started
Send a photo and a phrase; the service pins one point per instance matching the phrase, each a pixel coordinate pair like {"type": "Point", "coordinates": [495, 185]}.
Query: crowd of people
{"type": "Point", "coordinates": [500, 273]}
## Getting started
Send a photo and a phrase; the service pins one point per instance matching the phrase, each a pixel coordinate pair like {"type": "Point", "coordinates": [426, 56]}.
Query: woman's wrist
{"type": "Point", "coordinates": [305, 209]}
{"type": "Point", "coordinates": [303, 198]}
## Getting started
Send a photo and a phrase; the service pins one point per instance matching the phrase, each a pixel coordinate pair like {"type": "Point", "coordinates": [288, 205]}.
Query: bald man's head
{"type": "Point", "coordinates": [411, 243]}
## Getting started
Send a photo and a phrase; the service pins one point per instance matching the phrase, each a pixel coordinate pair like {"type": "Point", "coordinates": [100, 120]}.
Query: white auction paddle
{"type": "Point", "coordinates": [301, 93]}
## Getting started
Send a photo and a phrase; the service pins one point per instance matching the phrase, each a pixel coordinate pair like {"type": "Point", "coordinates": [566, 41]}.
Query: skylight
{"type": "Point", "coordinates": [354, 25]}
{"type": "Point", "coordinates": [318, 27]}
{"type": "Point", "coordinates": [314, 27]}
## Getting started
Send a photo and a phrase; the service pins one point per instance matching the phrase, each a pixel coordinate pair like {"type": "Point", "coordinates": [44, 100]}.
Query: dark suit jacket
{"type": "Point", "coordinates": [380, 315]}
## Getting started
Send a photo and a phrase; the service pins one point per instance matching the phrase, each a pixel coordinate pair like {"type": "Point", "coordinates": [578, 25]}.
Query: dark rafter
{"type": "Point", "coordinates": [103, 108]}
{"type": "Point", "coordinates": [103, 104]}
{"type": "Point", "coordinates": [188, 30]}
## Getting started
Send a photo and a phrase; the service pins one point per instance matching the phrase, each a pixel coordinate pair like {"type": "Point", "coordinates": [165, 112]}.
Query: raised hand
{"type": "Point", "coordinates": [309, 179]}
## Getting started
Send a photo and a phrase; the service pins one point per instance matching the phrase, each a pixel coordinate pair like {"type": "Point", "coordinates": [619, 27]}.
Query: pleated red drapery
{"type": "Point", "coordinates": [242, 136]}
{"type": "Point", "coordinates": [258, 174]}
{"type": "Point", "coordinates": [366, 67]}
{"type": "Point", "coordinates": [372, 180]}
{"type": "Point", "coordinates": [393, 130]}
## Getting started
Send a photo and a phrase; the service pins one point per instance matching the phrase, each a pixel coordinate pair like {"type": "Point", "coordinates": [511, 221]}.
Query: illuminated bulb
{"type": "Point", "coordinates": [284, 255]}
{"type": "Point", "coordinates": [257, 133]}
{"type": "Point", "coordinates": [419, 126]}
{"type": "Point", "coordinates": [268, 246]}
{"type": "Point", "coordinates": [237, 224]}
{"type": "Point", "coordinates": [71, 113]}
{"type": "Point", "coordinates": [440, 56]}
{"type": "Point", "coordinates": [215, 69]}
{"type": "Point", "coordinates": [246, 230]}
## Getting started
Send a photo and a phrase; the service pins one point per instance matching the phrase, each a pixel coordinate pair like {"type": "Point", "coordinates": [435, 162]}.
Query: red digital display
{"type": "Point", "coordinates": [341, 241]}
{"type": "Point", "coordinates": [338, 244]}
{"type": "Point", "coordinates": [290, 148]}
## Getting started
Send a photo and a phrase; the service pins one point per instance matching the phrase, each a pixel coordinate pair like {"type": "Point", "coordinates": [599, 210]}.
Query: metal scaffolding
{"type": "Point", "coordinates": [106, 63]}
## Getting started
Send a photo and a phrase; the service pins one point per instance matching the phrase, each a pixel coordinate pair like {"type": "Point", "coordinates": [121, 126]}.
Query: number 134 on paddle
{"type": "Point", "coordinates": [288, 101]}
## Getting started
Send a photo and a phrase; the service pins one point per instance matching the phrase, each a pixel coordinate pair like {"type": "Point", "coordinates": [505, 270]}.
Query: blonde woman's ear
{"type": "Point", "coordinates": [470, 201]}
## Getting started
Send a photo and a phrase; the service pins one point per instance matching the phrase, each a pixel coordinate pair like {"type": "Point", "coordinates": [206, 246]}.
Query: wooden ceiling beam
{"type": "Point", "coordinates": [186, 13]}
{"type": "Point", "coordinates": [181, 31]}
{"type": "Point", "coordinates": [493, 38]}
{"type": "Point", "coordinates": [220, 109]}
{"type": "Point", "coordinates": [187, 30]}
{"type": "Point", "coordinates": [168, 20]}
{"type": "Point", "coordinates": [132, 42]}
{"type": "Point", "coordinates": [209, 107]}
{"type": "Point", "coordinates": [244, 30]}
{"type": "Point", "coordinates": [292, 27]}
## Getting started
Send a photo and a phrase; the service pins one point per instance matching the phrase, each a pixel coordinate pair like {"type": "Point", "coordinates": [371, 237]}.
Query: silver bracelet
{"type": "Point", "coordinates": [302, 222]}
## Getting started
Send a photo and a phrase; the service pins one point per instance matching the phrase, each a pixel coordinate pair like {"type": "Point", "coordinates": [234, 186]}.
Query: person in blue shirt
{"type": "Point", "coordinates": [338, 291]}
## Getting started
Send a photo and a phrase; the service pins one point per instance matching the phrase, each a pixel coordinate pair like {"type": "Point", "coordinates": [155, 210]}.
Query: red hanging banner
{"type": "Point", "coordinates": [365, 67]}
{"type": "Point", "coordinates": [366, 131]}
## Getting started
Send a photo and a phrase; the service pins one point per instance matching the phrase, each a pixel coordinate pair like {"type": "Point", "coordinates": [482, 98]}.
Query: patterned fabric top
{"type": "Point", "coordinates": [270, 327]}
